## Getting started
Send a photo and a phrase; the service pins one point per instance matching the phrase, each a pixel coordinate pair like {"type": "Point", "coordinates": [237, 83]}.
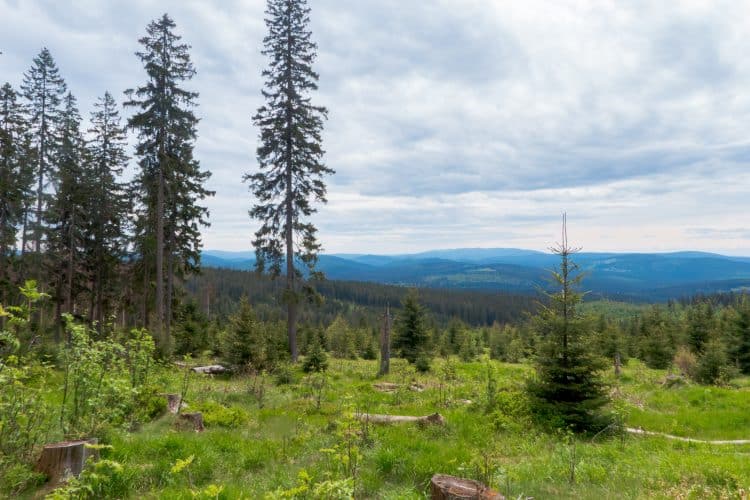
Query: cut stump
{"type": "Point", "coordinates": [443, 487]}
{"type": "Point", "coordinates": [434, 419]}
{"type": "Point", "coordinates": [60, 461]}
{"type": "Point", "coordinates": [211, 369]}
{"type": "Point", "coordinates": [194, 419]}
{"type": "Point", "coordinates": [174, 403]}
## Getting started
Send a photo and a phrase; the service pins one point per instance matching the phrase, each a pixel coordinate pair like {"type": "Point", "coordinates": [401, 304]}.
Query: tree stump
{"type": "Point", "coordinates": [60, 461]}
{"type": "Point", "coordinates": [444, 487]}
{"type": "Point", "coordinates": [175, 403]}
{"type": "Point", "coordinates": [194, 419]}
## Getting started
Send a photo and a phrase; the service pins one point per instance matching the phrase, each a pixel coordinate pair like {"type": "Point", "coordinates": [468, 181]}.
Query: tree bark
{"type": "Point", "coordinates": [434, 419]}
{"type": "Point", "coordinates": [443, 487]}
{"type": "Point", "coordinates": [385, 344]}
{"type": "Point", "coordinates": [60, 461]}
{"type": "Point", "coordinates": [195, 419]}
{"type": "Point", "coordinates": [160, 260]}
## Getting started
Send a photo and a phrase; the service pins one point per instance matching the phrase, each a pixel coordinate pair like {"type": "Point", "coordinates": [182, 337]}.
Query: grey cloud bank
{"type": "Point", "coordinates": [460, 123]}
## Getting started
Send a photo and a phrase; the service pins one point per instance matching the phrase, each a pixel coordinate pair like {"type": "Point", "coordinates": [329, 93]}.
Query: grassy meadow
{"type": "Point", "coordinates": [293, 436]}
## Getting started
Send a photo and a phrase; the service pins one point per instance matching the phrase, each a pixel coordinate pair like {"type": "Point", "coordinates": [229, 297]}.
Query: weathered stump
{"type": "Point", "coordinates": [60, 461]}
{"type": "Point", "coordinates": [175, 403]}
{"type": "Point", "coordinates": [193, 419]}
{"type": "Point", "coordinates": [211, 369]}
{"type": "Point", "coordinates": [444, 487]}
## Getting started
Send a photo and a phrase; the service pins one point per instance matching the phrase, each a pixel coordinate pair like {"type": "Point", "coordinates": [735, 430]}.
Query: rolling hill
{"type": "Point", "coordinates": [628, 276]}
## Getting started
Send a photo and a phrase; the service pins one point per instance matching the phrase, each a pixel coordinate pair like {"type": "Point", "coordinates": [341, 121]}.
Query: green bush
{"type": "Point", "coordinates": [216, 415]}
{"type": "Point", "coordinates": [316, 360]}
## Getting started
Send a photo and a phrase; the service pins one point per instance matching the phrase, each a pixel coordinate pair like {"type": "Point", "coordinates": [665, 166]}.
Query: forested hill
{"type": "Point", "coordinates": [217, 291]}
{"type": "Point", "coordinates": [623, 276]}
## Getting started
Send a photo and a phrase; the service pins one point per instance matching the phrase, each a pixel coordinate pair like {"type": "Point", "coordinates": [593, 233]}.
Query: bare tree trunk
{"type": "Point", "coordinates": [291, 293]}
{"type": "Point", "coordinates": [170, 285]}
{"type": "Point", "coordinates": [385, 343]}
{"type": "Point", "coordinates": [160, 261]}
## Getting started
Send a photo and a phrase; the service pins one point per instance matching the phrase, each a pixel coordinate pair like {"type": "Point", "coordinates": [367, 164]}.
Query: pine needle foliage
{"type": "Point", "coordinates": [290, 157]}
{"type": "Point", "coordinates": [567, 391]}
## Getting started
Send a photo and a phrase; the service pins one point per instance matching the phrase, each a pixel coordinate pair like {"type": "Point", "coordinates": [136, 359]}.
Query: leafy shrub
{"type": "Point", "coordinates": [218, 415]}
{"type": "Point", "coordinates": [99, 479]}
{"type": "Point", "coordinates": [685, 361]}
{"type": "Point", "coordinates": [16, 478]}
{"type": "Point", "coordinates": [284, 375]}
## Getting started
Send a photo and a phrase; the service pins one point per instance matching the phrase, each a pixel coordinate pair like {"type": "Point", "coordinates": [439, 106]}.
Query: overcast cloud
{"type": "Point", "coordinates": [460, 123]}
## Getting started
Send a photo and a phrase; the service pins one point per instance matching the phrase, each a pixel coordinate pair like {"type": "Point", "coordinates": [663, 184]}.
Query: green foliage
{"type": "Point", "coordinates": [658, 345]}
{"type": "Point", "coordinates": [99, 479]}
{"type": "Point", "coordinates": [341, 339]}
{"type": "Point", "coordinates": [316, 360]}
{"type": "Point", "coordinates": [567, 391]}
{"type": "Point", "coordinates": [215, 414]}
{"type": "Point", "coordinates": [25, 418]}
{"type": "Point", "coordinates": [411, 337]}
{"type": "Point", "coordinates": [249, 342]}
{"type": "Point", "coordinates": [713, 365]}
{"type": "Point", "coordinates": [191, 330]}
{"type": "Point", "coordinates": [423, 363]}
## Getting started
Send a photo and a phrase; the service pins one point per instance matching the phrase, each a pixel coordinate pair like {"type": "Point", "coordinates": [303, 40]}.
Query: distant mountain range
{"type": "Point", "coordinates": [628, 276]}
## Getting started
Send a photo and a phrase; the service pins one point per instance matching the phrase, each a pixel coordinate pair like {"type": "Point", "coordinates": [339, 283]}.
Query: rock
{"type": "Point", "coordinates": [443, 487]}
{"type": "Point", "coordinates": [61, 461]}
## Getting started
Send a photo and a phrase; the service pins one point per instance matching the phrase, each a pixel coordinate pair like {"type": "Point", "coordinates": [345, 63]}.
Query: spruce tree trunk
{"type": "Point", "coordinates": [160, 260]}
{"type": "Point", "coordinates": [291, 296]}
{"type": "Point", "coordinates": [170, 286]}
{"type": "Point", "coordinates": [385, 344]}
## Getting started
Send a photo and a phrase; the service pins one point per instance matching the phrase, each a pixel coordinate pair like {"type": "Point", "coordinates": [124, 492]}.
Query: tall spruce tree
{"type": "Point", "coordinates": [567, 391]}
{"type": "Point", "coordinates": [16, 179]}
{"type": "Point", "coordinates": [290, 156]}
{"type": "Point", "coordinates": [108, 207]}
{"type": "Point", "coordinates": [44, 89]}
{"type": "Point", "coordinates": [170, 181]}
{"type": "Point", "coordinates": [68, 213]}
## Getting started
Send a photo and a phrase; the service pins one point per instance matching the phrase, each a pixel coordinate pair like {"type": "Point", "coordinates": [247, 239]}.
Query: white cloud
{"type": "Point", "coordinates": [461, 122]}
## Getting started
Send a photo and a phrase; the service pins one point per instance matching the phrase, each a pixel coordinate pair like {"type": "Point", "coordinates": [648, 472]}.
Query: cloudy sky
{"type": "Point", "coordinates": [460, 123]}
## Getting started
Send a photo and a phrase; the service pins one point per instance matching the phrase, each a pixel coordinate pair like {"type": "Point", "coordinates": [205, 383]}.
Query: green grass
{"type": "Point", "coordinates": [285, 432]}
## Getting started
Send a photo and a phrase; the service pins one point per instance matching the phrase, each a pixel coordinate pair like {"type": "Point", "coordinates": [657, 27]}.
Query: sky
{"type": "Point", "coordinates": [459, 123]}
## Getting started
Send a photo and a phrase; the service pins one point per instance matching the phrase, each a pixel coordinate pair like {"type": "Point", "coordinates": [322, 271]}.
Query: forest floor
{"type": "Point", "coordinates": [266, 439]}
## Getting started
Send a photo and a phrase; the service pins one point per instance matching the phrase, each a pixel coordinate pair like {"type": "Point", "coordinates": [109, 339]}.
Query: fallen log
{"type": "Point", "coordinates": [194, 419]}
{"type": "Point", "coordinates": [642, 432]}
{"type": "Point", "coordinates": [61, 461]}
{"type": "Point", "coordinates": [434, 419]}
{"type": "Point", "coordinates": [211, 369]}
{"type": "Point", "coordinates": [443, 487]}
{"type": "Point", "coordinates": [385, 387]}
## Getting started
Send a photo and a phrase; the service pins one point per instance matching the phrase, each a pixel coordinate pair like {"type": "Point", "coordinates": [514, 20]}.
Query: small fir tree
{"type": "Point", "coordinates": [411, 332]}
{"type": "Point", "coordinates": [567, 391]}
